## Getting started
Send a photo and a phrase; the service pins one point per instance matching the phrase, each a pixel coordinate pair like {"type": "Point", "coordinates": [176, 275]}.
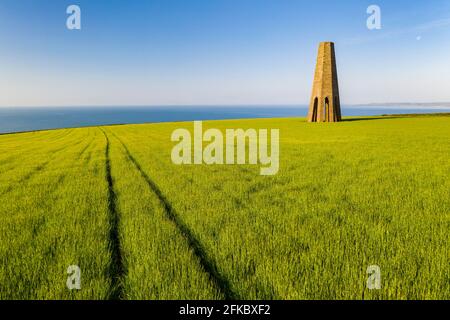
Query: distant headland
{"type": "Point", "coordinates": [408, 104]}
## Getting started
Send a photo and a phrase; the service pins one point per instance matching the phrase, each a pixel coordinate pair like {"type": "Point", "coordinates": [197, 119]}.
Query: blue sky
{"type": "Point", "coordinates": [159, 52]}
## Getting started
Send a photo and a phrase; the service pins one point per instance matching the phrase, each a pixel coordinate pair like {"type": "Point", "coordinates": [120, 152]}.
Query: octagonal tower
{"type": "Point", "coordinates": [325, 105]}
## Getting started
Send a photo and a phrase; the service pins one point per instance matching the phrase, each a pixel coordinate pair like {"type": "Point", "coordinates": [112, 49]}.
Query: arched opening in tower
{"type": "Point", "coordinates": [338, 109]}
{"type": "Point", "coordinates": [314, 114]}
{"type": "Point", "coordinates": [326, 110]}
{"type": "Point", "coordinates": [335, 109]}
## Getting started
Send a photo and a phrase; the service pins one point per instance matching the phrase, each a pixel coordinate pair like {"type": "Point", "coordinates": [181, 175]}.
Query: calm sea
{"type": "Point", "coordinates": [39, 118]}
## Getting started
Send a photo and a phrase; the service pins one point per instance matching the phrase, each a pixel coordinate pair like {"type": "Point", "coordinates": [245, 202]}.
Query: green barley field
{"type": "Point", "coordinates": [366, 191]}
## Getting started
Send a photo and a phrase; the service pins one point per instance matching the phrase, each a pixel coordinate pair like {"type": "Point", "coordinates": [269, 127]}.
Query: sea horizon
{"type": "Point", "coordinates": [24, 119]}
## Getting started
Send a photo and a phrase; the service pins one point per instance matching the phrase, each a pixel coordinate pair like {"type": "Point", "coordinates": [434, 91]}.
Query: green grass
{"type": "Point", "coordinates": [372, 191]}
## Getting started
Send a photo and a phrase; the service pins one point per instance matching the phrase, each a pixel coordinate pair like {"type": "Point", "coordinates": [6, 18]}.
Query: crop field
{"type": "Point", "coordinates": [348, 195]}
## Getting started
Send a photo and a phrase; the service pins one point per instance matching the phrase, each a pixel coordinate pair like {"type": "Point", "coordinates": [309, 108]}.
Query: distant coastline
{"type": "Point", "coordinates": [23, 119]}
{"type": "Point", "coordinates": [406, 104]}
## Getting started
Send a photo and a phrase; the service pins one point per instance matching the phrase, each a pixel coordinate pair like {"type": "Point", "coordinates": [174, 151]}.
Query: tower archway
{"type": "Point", "coordinates": [336, 109]}
{"type": "Point", "coordinates": [326, 110]}
{"type": "Point", "coordinates": [315, 109]}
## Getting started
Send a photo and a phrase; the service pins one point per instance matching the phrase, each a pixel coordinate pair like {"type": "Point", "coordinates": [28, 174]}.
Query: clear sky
{"type": "Point", "coordinates": [157, 52]}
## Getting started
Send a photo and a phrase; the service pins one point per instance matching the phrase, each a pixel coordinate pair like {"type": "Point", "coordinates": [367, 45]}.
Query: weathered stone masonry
{"type": "Point", "coordinates": [325, 105]}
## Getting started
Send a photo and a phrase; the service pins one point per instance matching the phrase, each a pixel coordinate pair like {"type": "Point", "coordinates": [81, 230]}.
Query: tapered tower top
{"type": "Point", "coordinates": [325, 104]}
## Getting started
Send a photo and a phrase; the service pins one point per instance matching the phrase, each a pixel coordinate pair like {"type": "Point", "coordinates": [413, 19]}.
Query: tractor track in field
{"type": "Point", "coordinates": [117, 268]}
{"type": "Point", "coordinates": [208, 264]}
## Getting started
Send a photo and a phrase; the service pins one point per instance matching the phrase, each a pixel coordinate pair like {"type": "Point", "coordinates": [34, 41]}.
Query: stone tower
{"type": "Point", "coordinates": [325, 105]}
